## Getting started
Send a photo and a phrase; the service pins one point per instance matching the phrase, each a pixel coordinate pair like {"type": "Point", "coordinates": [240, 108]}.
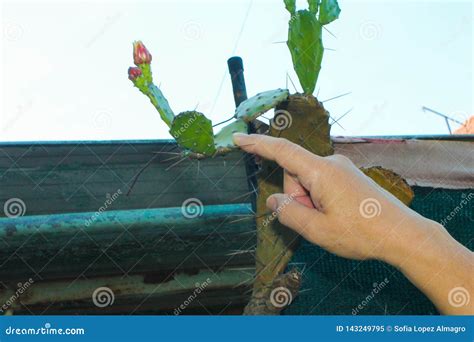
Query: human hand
{"type": "Point", "coordinates": [331, 203]}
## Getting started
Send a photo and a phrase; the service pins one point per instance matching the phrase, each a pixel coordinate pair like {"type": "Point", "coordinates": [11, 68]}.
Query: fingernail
{"type": "Point", "coordinates": [272, 203]}
{"type": "Point", "coordinates": [239, 138]}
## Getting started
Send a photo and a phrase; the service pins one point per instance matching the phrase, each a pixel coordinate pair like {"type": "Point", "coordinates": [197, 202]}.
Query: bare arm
{"type": "Point", "coordinates": [333, 204]}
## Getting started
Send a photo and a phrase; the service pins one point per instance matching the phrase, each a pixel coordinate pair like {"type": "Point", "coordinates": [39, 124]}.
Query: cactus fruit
{"type": "Point", "coordinates": [305, 39]}
{"type": "Point", "coordinates": [223, 139]}
{"type": "Point", "coordinates": [142, 78]}
{"type": "Point", "coordinates": [193, 131]}
{"type": "Point", "coordinates": [260, 103]}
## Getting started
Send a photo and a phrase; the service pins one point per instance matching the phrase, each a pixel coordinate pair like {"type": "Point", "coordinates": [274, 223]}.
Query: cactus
{"type": "Point", "coordinates": [310, 128]}
{"type": "Point", "coordinates": [305, 39]}
{"type": "Point", "coordinates": [223, 139]}
{"type": "Point", "coordinates": [251, 108]}
{"type": "Point", "coordinates": [161, 104]}
{"type": "Point", "coordinates": [193, 131]}
{"type": "Point", "coordinates": [328, 12]}
{"type": "Point", "coordinates": [391, 182]}
{"type": "Point", "coordinates": [142, 78]}
{"type": "Point", "coordinates": [290, 6]}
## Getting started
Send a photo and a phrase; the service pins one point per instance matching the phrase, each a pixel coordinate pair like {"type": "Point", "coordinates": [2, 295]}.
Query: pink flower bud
{"type": "Point", "coordinates": [134, 73]}
{"type": "Point", "coordinates": [140, 53]}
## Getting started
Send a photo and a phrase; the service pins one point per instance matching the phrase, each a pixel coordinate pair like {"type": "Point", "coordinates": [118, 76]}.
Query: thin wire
{"type": "Point", "coordinates": [233, 52]}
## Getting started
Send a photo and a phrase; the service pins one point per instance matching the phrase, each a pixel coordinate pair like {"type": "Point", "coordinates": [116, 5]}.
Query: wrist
{"type": "Point", "coordinates": [418, 239]}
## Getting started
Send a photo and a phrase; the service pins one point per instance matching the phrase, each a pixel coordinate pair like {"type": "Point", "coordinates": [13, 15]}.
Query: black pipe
{"type": "Point", "coordinates": [236, 70]}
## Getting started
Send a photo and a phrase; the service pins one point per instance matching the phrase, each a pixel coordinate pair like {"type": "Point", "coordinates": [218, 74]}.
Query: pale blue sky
{"type": "Point", "coordinates": [64, 74]}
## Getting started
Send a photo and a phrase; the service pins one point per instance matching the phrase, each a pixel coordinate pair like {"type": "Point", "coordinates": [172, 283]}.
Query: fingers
{"type": "Point", "coordinates": [303, 220]}
{"type": "Point", "coordinates": [293, 187]}
{"type": "Point", "coordinates": [289, 156]}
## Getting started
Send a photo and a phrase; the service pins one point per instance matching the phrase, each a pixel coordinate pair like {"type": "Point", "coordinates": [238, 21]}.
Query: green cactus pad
{"type": "Point", "coordinates": [193, 131]}
{"type": "Point", "coordinates": [260, 103]}
{"type": "Point", "coordinates": [313, 6]}
{"type": "Point", "coordinates": [224, 139]}
{"type": "Point", "coordinates": [329, 11]}
{"type": "Point", "coordinates": [290, 6]}
{"type": "Point", "coordinates": [306, 48]}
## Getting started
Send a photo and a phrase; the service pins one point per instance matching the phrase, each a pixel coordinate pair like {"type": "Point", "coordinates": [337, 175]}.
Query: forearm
{"type": "Point", "coordinates": [439, 266]}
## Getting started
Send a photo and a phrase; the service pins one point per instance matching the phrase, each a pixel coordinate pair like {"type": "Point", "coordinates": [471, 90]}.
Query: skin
{"type": "Point", "coordinates": [323, 201]}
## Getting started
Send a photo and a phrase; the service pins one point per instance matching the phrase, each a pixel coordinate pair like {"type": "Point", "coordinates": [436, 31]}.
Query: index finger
{"type": "Point", "coordinates": [288, 155]}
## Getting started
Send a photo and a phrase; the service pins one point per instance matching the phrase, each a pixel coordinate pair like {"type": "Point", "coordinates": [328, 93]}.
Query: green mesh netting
{"type": "Point", "coordinates": [337, 286]}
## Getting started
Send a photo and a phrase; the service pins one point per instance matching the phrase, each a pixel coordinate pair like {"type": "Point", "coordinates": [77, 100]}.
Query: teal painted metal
{"type": "Point", "coordinates": [94, 221]}
{"type": "Point", "coordinates": [144, 241]}
{"type": "Point", "coordinates": [463, 137]}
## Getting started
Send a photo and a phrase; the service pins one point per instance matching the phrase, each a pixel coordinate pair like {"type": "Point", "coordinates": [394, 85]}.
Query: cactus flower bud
{"type": "Point", "coordinates": [134, 73]}
{"type": "Point", "coordinates": [140, 53]}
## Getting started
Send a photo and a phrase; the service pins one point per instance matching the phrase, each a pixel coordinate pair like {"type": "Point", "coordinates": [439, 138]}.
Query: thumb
{"type": "Point", "coordinates": [295, 215]}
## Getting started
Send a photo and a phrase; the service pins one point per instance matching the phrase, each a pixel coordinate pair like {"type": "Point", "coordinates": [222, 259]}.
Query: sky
{"type": "Point", "coordinates": [64, 64]}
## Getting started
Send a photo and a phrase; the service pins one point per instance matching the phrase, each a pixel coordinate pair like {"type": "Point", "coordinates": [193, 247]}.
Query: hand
{"type": "Point", "coordinates": [331, 203]}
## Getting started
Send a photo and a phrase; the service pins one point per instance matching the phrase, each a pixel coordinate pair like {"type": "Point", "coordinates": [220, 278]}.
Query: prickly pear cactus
{"type": "Point", "coordinates": [276, 243]}
{"type": "Point", "coordinates": [305, 38]}
{"type": "Point", "coordinates": [255, 106]}
{"type": "Point", "coordinates": [193, 131]}
{"type": "Point", "coordinates": [142, 78]}
{"type": "Point", "coordinates": [223, 139]}
{"type": "Point", "coordinates": [161, 104]}
{"type": "Point", "coordinates": [329, 11]}
{"type": "Point", "coordinates": [391, 182]}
